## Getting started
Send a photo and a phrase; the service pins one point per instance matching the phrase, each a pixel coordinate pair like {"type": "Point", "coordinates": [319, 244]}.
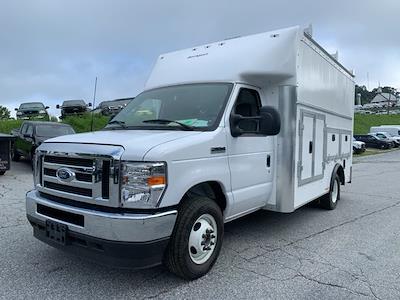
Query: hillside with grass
{"type": "Point", "coordinates": [362, 123]}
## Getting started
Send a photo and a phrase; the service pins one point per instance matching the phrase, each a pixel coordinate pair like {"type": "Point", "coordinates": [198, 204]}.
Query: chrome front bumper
{"type": "Point", "coordinates": [107, 226]}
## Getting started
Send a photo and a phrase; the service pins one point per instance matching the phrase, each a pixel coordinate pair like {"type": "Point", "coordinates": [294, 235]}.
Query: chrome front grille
{"type": "Point", "coordinates": [90, 178]}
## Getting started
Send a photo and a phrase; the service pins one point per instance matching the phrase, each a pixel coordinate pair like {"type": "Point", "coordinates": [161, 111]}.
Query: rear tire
{"type": "Point", "coordinates": [2, 173]}
{"type": "Point", "coordinates": [196, 240]}
{"type": "Point", "coordinates": [329, 201]}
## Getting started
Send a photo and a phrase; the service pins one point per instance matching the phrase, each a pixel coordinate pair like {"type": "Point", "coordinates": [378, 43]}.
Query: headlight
{"type": "Point", "coordinates": [142, 184]}
{"type": "Point", "coordinates": [42, 111]}
{"type": "Point", "coordinates": [19, 113]}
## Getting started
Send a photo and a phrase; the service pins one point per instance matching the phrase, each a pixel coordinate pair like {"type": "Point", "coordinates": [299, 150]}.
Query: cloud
{"type": "Point", "coordinates": [52, 50]}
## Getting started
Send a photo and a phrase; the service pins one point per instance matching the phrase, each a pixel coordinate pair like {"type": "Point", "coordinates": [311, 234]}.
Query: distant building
{"type": "Point", "coordinates": [384, 99]}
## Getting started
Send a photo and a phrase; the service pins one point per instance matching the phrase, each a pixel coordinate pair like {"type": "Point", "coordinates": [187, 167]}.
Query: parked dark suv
{"type": "Point", "coordinates": [32, 134]}
{"type": "Point", "coordinates": [374, 142]}
{"type": "Point", "coordinates": [73, 107]}
{"type": "Point", "coordinates": [32, 110]}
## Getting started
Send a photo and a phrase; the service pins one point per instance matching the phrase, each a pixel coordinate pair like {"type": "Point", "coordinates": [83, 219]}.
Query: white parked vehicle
{"type": "Point", "coordinates": [358, 146]}
{"type": "Point", "coordinates": [393, 130]}
{"type": "Point", "coordinates": [222, 130]}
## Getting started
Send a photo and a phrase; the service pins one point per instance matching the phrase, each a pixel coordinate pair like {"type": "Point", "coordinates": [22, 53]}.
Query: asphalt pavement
{"type": "Point", "coordinates": [352, 252]}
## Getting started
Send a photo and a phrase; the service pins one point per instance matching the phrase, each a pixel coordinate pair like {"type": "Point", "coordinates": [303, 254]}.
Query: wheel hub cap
{"type": "Point", "coordinates": [202, 239]}
{"type": "Point", "coordinates": [335, 192]}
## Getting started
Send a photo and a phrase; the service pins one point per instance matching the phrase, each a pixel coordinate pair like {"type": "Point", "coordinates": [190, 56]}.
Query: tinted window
{"type": "Point", "coordinates": [24, 127]}
{"type": "Point", "coordinates": [248, 105]}
{"type": "Point", "coordinates": [32, 105]}
{"type": "Point", "coordinates": [74, 103]}
{"type": "Point", "coordinates": [29, 130]}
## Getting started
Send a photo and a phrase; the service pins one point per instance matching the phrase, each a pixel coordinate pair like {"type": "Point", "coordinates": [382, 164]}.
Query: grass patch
{"type": "Point", "coordinates": [362, 123]}
{"type": "Point", "coordinates": [79, 123]}
{"type": "Point", "coordinates": [373, 151]}
{"type": "Point", "coordinates": [83, 123]}
{"type": "Point", "coordinates": [7, 125]}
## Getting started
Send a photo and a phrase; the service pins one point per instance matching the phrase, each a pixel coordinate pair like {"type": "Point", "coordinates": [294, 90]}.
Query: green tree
{"type": "Point", "coordinates": [4, 113]}
{"type": "Point", "coordinates": [366, 96]}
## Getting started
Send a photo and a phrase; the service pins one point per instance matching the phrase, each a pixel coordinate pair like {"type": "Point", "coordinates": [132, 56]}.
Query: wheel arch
{"type": "Point", "coordinates": [338, 169]}
{"type": "Point", "coordinates": [211, 189]}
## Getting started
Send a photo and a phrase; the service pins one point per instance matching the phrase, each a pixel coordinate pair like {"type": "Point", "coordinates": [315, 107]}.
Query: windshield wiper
{"type": "Point", "coordinates": [120, 123]}
{"type": "Point", "coordinates": [165, 121]}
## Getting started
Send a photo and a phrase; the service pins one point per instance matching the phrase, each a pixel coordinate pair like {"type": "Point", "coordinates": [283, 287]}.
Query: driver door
{"type": "Point", "coordinates": [250, 155]}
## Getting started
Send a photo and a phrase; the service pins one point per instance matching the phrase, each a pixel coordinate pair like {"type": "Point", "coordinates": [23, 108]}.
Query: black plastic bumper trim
{"type": "Point", "coordinates": [136, 255]}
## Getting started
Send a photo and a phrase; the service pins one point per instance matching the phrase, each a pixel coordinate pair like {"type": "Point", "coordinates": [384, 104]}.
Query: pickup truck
{"type": "Point", "coordinates": [73, 107]}
{"type": "Point", "coordinates": [113, 107]}
{"type": "Point", "coordinates": [32, 134]}
{"type": "Point", "coordinates": [262, 122]}
{"type": "Point", "coordinates": [32, 110]}
{"type": "Point", "coordinates": [374, 141]}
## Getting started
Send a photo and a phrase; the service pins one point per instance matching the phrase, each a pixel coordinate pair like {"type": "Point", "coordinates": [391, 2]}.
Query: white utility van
{"type": "Point", "coordinates": [393, 130]}
{"type": "Point", "coordinates": [220, 131]}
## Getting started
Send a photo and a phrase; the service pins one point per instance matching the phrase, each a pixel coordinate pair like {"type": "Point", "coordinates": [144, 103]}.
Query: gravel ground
{"type": "Point", "coordinates": [352, 252]}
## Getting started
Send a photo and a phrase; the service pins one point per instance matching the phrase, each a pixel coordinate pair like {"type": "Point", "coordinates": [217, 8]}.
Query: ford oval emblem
{"type": "Point", "coordinates": [65, 175]}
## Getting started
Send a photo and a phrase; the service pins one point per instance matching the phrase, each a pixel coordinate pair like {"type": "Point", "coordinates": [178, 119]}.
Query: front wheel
{"type": "Point", "coordinates": [15, 155]}
{"type": "Point", "coordinates": [197, 238]}
{"type": "Point", "coordinates": [329, 201]}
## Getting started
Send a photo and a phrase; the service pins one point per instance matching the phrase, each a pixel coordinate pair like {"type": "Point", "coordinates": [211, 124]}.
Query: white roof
{"type": "Point", "coordinates": [254, 59]}
{"type": "Point", "coordinates": [384, 98]}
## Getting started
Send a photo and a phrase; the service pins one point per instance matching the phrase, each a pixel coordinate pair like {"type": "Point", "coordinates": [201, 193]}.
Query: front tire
{"type": "Point", "coordinates": [15, 155]}
{"type": "Point", "coordinates": [329, 201]}
{"type": "Point", "coordinates": [197, 238]}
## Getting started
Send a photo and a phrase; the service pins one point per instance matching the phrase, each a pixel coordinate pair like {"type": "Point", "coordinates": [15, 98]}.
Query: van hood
{"type": "Point", "coordinates": [135, 142]}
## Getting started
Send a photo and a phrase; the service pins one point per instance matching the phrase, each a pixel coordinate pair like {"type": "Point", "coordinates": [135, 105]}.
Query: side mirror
{"type": "Point", "coordinates": [58, 106]}
{"type": "Point", "coordinates": [47, 107]}
{"type": "Point", "coordinates": [270, 121]}
{"type": "Point", "coordinates": [27, 135]}
{"type": "Point", "coordinates": [267, 124]}
{"type": "Point", "coordinates": [16, 109]}
{"type": "Point", "coordinates": [90, 104]}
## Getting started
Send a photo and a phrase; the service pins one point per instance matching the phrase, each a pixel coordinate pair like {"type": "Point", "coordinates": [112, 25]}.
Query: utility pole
{"type": "Point", "coordinates": [94, 103]}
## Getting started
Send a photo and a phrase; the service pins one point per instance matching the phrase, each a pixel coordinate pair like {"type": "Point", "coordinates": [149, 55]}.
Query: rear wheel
{"type": "Point", "coordinates": [329, 201]}
{"type": "Point", "coordinates": [197, 238]}
{"type": "Point", "coordinates": [2, 173]}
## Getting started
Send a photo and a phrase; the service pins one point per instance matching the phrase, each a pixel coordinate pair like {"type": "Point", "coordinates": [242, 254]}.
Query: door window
{"type": "Point", "coordinates": [29, 130]}
{"type": "Point", "coordinates": [23, 129]}
{"type": "Point", "coordinates": [248, 104]}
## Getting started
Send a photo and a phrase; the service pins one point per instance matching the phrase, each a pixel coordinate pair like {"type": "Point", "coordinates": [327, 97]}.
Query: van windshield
{"type": "Point", "coordinates": [193, 106]}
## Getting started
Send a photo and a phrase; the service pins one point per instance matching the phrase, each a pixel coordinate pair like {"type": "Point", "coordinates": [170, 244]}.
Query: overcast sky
{"type": "Point", "coordinates": [52, 50]}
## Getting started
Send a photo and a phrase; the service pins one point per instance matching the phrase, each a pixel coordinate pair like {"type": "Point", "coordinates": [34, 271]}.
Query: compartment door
{"type": "Point", "coordinates": [319, 147]}
{"type": "Point", "coordinates": [306, 147]}
{"type": "Point", "coordinates": [312, 147]}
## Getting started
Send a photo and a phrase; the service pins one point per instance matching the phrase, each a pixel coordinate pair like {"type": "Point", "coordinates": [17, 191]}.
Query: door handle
{"type": "Point", "coordinates": [310, 147]}
{"type": "Point", "coordinates": [268, 161]}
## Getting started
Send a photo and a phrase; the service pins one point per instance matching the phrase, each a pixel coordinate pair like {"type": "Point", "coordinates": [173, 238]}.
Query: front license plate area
{"type": "Point", "coordinates": [56, 232]}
